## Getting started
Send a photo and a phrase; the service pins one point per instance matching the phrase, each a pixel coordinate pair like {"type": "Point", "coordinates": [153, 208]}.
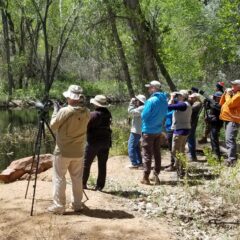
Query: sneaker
{"type": "Point", "coordinates": [145, 181]}
{"type": "Point", "coordinates": [56, 210]}
{"type": "Point", "coordinates": [133, 166]}
{"type": "Point", "coordinates": [140, 167]}
{"type": "Point", "coordinates": [77, 208]}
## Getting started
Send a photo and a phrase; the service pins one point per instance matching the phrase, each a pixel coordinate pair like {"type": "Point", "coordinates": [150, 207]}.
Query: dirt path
{"type": "Point", "coordinates": [107, 217]}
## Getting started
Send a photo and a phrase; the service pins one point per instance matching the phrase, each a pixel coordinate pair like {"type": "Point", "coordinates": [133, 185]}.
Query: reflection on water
{"type": "Point", "coordinates": [18, 130]}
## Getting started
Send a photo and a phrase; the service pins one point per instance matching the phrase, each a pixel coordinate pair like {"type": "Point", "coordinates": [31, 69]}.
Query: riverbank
{"type": "Point", "coordinates": [205, 205]}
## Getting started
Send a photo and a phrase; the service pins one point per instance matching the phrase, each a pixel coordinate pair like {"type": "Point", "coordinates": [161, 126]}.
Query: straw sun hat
{"type": "Point", "coordinates": [100, 101]}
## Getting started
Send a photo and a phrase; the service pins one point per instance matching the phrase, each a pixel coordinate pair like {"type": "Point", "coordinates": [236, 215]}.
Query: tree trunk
{"type": "Point", "coordinates": [12, 34]}
{"type": "Point", "coordinates": [138, 26]}
{"type": "Point", "coordinates": [143, 33]}
{"type": "Point", "coordinates": [7, 51]}
{"type": "Point", "coordinates": [120, 49]}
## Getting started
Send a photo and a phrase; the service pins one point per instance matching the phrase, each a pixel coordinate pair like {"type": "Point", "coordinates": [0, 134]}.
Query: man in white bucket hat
{"type": "Point", "coordinates": [98, 141]}
{"type": "Point", "coordinates": [70, 126]}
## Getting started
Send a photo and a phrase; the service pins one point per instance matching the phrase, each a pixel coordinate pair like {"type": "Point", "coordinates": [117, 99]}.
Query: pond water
{"type": "Point", "coordinates": [18, 130]}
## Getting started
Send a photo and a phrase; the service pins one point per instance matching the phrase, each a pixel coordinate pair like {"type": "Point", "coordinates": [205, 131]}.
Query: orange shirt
{"type": "Point", "coordinates": [230, 110]}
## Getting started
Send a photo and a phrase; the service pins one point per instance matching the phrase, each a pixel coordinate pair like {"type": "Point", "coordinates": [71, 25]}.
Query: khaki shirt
{"type": "Point", "coordinates": [70, 126]}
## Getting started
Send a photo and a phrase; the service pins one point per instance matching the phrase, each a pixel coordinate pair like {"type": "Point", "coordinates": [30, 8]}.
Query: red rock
{"type": "Point", "coordinates": [22, 166]}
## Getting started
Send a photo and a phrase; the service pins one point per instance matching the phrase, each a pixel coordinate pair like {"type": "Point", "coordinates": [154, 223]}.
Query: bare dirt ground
{"type": "Point", "coordinates": [107, 215]}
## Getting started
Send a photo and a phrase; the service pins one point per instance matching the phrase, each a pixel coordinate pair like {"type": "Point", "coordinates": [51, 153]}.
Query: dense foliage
{"type": "Point", "coordinates": [45, 43]}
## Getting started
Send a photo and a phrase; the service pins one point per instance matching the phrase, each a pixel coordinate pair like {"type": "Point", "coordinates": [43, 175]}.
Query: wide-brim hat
{"type": "Point", "coordinates": [100, 101]}
{"type": "Point", "coordinates": [195, 95]}
{"type": "Point", "coordinates": [74, 92]}
{"type": "Point", "coordinates": [141, 98]}
{"type": "Point", "coordinates": [183, 93]}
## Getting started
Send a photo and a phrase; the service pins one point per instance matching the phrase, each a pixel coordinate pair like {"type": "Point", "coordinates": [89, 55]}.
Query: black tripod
{"type": "Point", "coordinates": [42, 114]}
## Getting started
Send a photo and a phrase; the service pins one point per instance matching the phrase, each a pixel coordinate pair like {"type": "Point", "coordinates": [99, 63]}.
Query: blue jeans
{"type": "Point", "coordinates": [192, 143]}
{"type": "Point", "coordinates": [134, 152]}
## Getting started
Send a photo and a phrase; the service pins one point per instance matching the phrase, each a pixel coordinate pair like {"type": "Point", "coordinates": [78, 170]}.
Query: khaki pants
{"type": "Point", "coordinates": [75, 168]}
{"type": "Point", "coordinates": [178, 146]}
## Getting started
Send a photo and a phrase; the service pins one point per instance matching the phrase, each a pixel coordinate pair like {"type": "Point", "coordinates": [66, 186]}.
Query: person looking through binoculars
{"type": "Point", "coordinates": [230, 113]}
{"type": "Point", "coordinates": [135, 109]}
{"type": "Point", "coordinates": [212, 110]}
{"type": "Point", "coordinates": [181, 126]}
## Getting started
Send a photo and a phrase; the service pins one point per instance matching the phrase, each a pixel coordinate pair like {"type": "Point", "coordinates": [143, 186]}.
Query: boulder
{"type": "Point", "coordinates": [22, 166]}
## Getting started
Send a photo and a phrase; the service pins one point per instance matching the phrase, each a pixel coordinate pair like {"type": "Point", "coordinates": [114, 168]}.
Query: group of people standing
{"type": "Point", "coordinates": [179, 112]}
{"type": "Point", "coordinates": [82, 135]}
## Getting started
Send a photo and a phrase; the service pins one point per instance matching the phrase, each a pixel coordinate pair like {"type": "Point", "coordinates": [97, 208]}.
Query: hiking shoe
{"type": "Point", "coordinates": [97, 188]}
{"type": "Point", "coordinates": [145, 181]}
{"type": "Point", "coordinates": [56, 210]}
{"type": "Point", "coordinates": [229, 163]}
{"type": "Point", "coordinates": [203, 140]}
{"type": "Point", "coordinates": [156, 180]}
{"type": "Point", "coordinates": [170, 169]}
{"type": "Point", "coordinates": [193, 159]}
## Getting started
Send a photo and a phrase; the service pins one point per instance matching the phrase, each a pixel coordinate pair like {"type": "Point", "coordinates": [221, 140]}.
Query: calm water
{"type": "Point", "coordinates": [18, 129]}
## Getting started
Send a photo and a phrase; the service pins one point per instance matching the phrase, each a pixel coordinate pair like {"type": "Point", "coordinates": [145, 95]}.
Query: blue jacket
{"type": "Point", "coordinates": [155, 110]}
{"type": "Point", "coordinates": [168, 121]}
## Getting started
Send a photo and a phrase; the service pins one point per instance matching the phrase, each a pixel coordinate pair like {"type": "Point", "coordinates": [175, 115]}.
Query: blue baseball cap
{"type": "Point", "coordinates": [217, 94]}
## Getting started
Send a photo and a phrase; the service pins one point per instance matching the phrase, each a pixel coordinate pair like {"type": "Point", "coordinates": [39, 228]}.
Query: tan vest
{"type": "Point", "coordinates": [70, 126]}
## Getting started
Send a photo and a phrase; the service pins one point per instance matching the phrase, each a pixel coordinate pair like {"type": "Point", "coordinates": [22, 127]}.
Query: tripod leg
{"type": "Point", "coordinates": [38, 148]}
{"type": "Point", "coordinates": [50, 130]}
{"type": "Point", "coordinates": [85, 195]}
{"type": "Point", "coordinates": [34, 156]}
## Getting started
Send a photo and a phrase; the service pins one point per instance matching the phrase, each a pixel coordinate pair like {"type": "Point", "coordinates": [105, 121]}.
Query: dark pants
{"type": "Point", "coordinates": [170, 138]}
{"type": "Point", "coordinates": [214, 136]}
{"type": "Point", "coordinates": [192, 143]}
{"type": "Point", "coordinates": [151, 147]}
{"type": "Point", "coordinates": [91, 151]}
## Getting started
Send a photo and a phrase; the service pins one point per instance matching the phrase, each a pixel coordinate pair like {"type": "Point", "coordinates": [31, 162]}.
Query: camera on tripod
{"type": "Point", "coordinates": [44, 106]}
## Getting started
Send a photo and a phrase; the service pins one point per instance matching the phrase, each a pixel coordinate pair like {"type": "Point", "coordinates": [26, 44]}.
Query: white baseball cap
{"type": "Point", "coordinates": [235, 82]}
{"type": "Point", "coordinates": [154, 83]}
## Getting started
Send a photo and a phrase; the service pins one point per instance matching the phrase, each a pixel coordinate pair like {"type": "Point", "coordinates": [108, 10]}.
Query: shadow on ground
{"type": "Point", "coordinates": [126, 194]}
{"type": "Point", "coordinates": [107, 214]}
